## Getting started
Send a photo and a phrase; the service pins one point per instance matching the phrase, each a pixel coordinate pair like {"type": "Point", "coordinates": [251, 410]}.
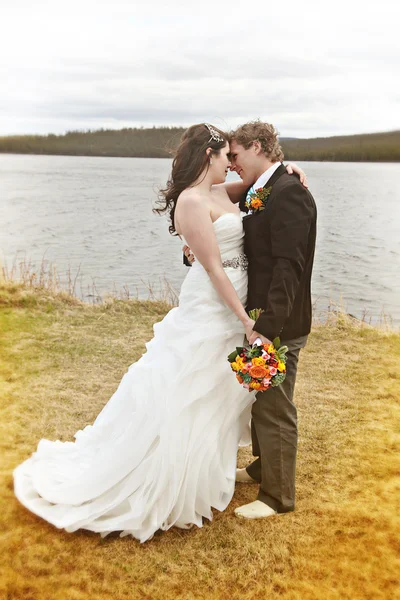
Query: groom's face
{"type": "Point", "coordinates": [244, 163]}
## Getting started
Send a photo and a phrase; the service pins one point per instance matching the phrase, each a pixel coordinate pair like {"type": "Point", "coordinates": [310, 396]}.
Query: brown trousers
{"type": "Point", "coordinates": [274, 437]}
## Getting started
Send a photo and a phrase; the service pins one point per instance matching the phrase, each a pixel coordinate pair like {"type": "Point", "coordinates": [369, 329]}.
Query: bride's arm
{"type": "Point", "coordinates": [237, 190]}
{"type": "Point", "coordinates": [197, 228]}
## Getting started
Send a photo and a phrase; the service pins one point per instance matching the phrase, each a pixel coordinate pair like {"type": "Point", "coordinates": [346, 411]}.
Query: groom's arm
{"type": "Point", "coordinates": [291, 218]}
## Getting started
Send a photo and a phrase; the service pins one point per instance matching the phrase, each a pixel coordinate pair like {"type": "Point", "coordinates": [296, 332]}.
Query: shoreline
{"type": "Point", "coordinates": [22, 294]}
{"type": "Point", "coordinates": [47, 279]}
{"type": "Point", "coordinates": [292, 159]}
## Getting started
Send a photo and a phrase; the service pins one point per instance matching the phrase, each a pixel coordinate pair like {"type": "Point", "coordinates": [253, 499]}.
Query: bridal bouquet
{"type": "Point", "coordinates": [260, 367]}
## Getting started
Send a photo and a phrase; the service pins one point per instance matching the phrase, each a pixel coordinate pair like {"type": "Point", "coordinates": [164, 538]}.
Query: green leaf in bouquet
{"type": "Point", "coordinates": [281, 353]}
{"type": "Point", "coordinates": [276, 342]}
{"type": "Point", "coordinates": [254, 313]}
{"type": "Point", "coordinates": [278, 379]}
{"type": "Point", "coordinates": [255, 352]}
{"type": "Point", "coordinates": [232, 356]}
{"type": "Point", "coordinates": [246, 378]}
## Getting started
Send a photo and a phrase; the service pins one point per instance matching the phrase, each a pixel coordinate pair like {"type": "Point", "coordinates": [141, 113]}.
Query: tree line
{"type": "Point", "coordinates": [160, 142]}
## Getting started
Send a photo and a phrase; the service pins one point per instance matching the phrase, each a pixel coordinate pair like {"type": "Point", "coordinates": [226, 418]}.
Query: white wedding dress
{"type": "Point", "coordinates": [162, 451]}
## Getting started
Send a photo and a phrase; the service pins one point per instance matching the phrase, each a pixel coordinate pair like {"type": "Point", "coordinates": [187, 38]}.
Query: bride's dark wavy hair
{"type": "Point", "coordinates": [189, 162]}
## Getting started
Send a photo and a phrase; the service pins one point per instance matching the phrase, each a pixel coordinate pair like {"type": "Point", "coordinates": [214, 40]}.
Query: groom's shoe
{"type": "Point", "coordinates": [255, 510]}
{"type": "Point", "coordinates": [242, 476]}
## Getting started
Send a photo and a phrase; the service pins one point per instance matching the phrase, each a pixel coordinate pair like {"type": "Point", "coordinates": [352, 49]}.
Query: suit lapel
{"type": "Point", "coordinates": [242, 205]}
{"type": "Point", "coordinates": [271, 181]}
{"type": "Point", "coordinates": [275, 176]}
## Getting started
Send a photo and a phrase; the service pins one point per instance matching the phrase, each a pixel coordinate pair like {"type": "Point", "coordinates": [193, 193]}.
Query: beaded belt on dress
{"type": "Point", "coordinates": [238, 262]}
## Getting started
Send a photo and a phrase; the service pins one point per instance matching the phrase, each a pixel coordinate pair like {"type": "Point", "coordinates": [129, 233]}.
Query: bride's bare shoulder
{"type": "Point", "coordinates": [192, 204]}
{"type": "Point", "coordinates": [189, 195]}
{"type": "Point", "coordinates": [192, 197]}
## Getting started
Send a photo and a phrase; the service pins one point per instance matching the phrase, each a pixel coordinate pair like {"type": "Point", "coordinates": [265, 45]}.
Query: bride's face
{"type": "Point", "coordinates": [220, 165]}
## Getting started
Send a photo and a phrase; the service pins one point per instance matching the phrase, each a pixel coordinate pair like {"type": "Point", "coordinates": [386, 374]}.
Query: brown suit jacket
{"type": "Point", "coordinates": [279, 243]}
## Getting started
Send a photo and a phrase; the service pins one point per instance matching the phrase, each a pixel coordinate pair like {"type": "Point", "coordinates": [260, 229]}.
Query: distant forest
{"type": "Point", "coordinates": [160, 142]}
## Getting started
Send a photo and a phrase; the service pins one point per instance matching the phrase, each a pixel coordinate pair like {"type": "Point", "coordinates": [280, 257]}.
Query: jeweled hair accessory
{"type": "Point", "coordinates": [217, 137]}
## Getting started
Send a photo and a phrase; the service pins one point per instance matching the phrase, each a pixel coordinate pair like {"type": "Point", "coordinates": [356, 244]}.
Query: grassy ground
{"type": "Point", "coordinates": [60, 360]}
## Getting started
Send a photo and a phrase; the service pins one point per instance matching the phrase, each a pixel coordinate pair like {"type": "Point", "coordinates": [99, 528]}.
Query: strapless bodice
{"type": "Point", "coordinates": [229, 233]}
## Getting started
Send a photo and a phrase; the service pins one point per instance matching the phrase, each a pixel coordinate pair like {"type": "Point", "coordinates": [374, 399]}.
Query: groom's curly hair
{"type": "Point", "coordinates": [265, 133]}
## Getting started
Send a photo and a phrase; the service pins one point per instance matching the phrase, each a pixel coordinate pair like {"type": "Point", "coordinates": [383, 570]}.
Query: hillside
{"type": "Point", "coordinates": [160, 142]}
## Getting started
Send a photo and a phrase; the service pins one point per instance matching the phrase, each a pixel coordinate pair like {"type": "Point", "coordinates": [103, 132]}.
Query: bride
{"type": "Point", "coordinates": [162, 452]}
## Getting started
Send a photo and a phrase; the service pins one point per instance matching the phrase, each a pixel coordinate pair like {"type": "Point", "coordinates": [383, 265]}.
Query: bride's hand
{"type": "Point", "coordinates": [248, 328]}
{"type": "Point", "coordinates": [293, 168]}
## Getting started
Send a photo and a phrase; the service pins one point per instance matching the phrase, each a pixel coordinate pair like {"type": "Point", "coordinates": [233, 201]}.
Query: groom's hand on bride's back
{"type": "Point", "coordinates": [188, 258]}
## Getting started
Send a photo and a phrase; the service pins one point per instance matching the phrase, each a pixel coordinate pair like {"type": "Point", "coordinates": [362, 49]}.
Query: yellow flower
{"type": "Point", "coordinates": [281, 366]}
{"type": "Point", "coordinates": [239, 362]}
{"type": "Point", "coordinates": [258, 361]}
{"type": "Point", "coordinates": [270, 348]}
{"type": "Point", "coordinates": [255, 385]}
{"type": "Point", "coordinates": [235, 366]}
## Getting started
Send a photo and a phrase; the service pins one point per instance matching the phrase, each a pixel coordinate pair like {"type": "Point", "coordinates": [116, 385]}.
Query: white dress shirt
{"type": "Point", "coordinates": [263, 179]}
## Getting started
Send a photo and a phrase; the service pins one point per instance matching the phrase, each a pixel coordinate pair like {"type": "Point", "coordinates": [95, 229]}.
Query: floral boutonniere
{"type": "Point", "coordinates": [257, 200]}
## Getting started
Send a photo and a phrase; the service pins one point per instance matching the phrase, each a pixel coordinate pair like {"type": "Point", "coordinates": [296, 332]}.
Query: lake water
{"type": "Point", "coordinates": [92, 216]}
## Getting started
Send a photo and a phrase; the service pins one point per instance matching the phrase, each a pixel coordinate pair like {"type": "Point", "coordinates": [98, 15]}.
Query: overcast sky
{"type": "Point", "coordinates": [312, 68]}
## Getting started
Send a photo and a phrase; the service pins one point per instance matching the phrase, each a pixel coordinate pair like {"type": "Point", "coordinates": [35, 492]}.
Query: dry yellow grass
{"type": "Point", "coordinates": [61, 360]}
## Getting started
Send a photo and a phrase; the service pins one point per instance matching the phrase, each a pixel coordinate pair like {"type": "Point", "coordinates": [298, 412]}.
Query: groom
{"type": "Point", "coordinates": [279, 243]}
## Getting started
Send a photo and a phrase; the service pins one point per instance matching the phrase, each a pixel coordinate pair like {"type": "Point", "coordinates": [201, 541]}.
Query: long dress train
{"type": "Point", "coordinates": [162, 451]}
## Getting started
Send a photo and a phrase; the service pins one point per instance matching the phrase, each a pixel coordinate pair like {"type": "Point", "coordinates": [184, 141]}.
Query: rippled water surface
{"type": "Point", "coordinates": [93, 217]}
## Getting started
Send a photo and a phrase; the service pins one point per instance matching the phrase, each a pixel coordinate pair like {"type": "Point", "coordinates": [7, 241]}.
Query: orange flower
{"type": "Point", "coordinates": [239, 378]}
{"type": "Point", "coordinates": [256, 203]}
{"type": "Point", "coordinates": [258, 372]}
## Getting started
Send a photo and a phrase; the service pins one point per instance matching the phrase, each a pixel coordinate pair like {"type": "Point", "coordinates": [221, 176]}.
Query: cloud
{"type": "Point", "coordinates": [302, 65]}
